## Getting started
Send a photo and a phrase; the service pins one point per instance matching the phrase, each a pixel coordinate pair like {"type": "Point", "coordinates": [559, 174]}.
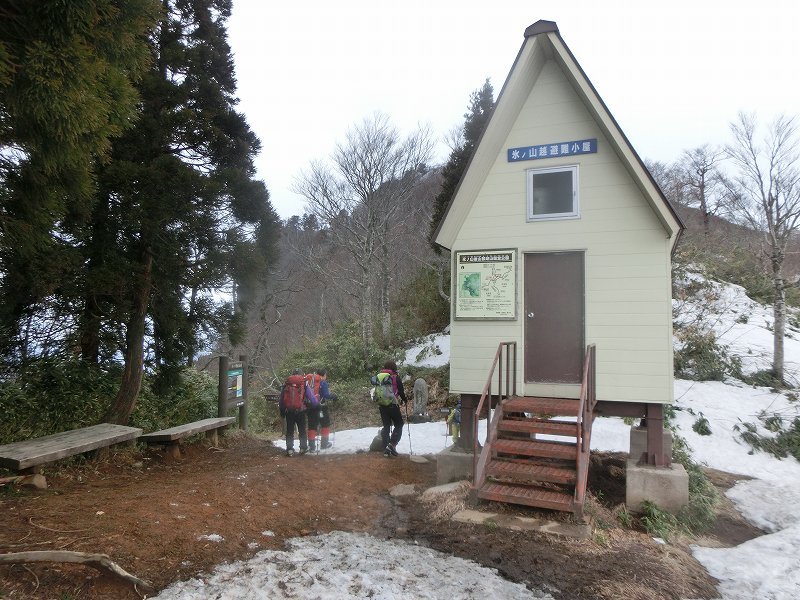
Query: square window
{"type": "Point", "coordinates": [553, 193]}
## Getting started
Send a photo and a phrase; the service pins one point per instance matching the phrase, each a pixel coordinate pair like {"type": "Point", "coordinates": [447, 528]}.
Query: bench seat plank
{"type": "Point", "coordinates": [181, 431]}
{"type": "Point", "coordinates": [37, 451]}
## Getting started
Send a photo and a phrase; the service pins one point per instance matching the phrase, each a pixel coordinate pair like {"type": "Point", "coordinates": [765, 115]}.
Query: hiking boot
{"type": "Point", "coordinates": [303, 451]}
{"type": "Point", "coordinates": [392, 449]}
{"type": "Point", "coordinates": [389, 452]}
{"type": "Point", "coordinates": [312, 446]}
{"type": "Point", "coordinates": [290, 452]}
{"type": "Point", "coordinates": [325, 445]}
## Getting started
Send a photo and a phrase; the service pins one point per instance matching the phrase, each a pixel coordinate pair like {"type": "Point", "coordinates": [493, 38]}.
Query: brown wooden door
{"type": "Point", "coordinates": [554, 317]}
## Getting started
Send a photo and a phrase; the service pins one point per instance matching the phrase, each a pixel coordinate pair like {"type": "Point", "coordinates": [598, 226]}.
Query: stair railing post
{"type": "Point", "coordinates": [515, 368]}
{"type": "Point", "coordinates": [508, 370]}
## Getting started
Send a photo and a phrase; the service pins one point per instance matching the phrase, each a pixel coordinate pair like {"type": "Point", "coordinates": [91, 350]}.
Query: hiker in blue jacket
{"type": "Point", "coordinates": [389, 406]}
{"type": "Point", "coordinates": [320, 418]}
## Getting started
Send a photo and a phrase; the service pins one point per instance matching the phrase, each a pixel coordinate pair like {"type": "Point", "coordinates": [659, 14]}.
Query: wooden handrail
{"type": "Point", "coordinates": [479, 466]}
{"type": "Point", "coordinates": [586, 406]}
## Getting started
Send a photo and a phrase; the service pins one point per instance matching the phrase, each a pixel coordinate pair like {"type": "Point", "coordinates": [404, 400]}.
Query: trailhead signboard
{"type": "Point", "coordinates": [486, 284]}
{"type": "Point", "coordinates": [235, 384]}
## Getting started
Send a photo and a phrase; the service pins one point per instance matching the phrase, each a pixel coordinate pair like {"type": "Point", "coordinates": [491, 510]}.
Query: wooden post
{"type": "Point", "coordinates": [222, 388]}
{"type": "Point", "coordinates": [469, 402]}
{"type": "Point", "coordinates": [655, 436]}
{"type": "Point", "coordinates": [243, 409]}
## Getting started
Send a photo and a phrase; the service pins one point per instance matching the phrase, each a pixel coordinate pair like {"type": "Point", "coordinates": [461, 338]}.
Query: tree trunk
{"type": "Point", "coordinates": [779, 313]}
{"type": "Point", "coordinates": [321, 315]}
{"type": "Point", "coordinates": [91, 320]}
{"type": "Point", "coordinates": [123, 405]}
{"type": "Point", "coordinates": [90, 329]}
{"type": "Point", "coordinates": [366, 311]}
{"type": "Point", "coordinates": [440, 270]}
{"type": "Point", "coordinates": [386, 313]}
{"type": "Point", "coordinates": [190, 350]}
{"type": "Point", "coordinates": [704, 204]}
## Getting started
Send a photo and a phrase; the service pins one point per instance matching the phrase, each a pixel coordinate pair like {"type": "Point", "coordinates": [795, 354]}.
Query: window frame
{"type": "Point", "coordinates": [575, 213]}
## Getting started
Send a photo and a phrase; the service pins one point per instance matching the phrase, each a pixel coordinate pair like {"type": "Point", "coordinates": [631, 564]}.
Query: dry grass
{"type": "Point", "coordinates": [445, 505]}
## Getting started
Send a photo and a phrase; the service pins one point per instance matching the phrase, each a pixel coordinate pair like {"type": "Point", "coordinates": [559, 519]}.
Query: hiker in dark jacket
{"type": "Point", "coordinates": [391, 417]}
{"type": "Point", "coordinates": [296, 395]}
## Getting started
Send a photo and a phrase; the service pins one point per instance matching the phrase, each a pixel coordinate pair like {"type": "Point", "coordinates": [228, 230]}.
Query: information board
{"type": "Point", "coordinates": [236, 384]}
{"type": "Point", "coordinates": [486, 284]}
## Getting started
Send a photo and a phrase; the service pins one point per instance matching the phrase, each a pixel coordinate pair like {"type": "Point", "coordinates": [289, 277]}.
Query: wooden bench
{"type": "Point", "coordinates": [171, 437]}
{"type": "Point", "coordinates": [29, 455]}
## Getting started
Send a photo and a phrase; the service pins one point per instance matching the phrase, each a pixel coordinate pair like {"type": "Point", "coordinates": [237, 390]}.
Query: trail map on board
{"type": "Point", "coordinates": [486, 283]}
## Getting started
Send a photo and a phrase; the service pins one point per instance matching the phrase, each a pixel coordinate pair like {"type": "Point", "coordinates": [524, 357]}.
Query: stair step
{"type": "Point", "coordinates": [567, 428]}
{"type": "Point", "coordinates": [525, 472]}
{"type": "Point", "coordinates": [531, 448]}
{"type": "Point", "coordinates": [526, 495]}
{"type": "Point", "coordinates": [548, 407]}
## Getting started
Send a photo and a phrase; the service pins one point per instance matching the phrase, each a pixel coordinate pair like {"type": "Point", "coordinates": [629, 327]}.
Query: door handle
{"type": "Point", "coordinates": [530, 315]}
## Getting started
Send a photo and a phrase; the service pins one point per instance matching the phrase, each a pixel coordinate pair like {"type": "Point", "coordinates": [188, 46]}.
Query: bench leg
{"type": "Point", "coordinates": [213, 437]}
{"type": "Point", "coordinates": [173, 450]}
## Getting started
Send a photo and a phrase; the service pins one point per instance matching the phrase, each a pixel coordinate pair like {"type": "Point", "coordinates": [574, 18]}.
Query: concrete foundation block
{"type": "Point", "coordinates": [639, 442]}
{"type": "Point", "coordinates": [668, 487]}
{"type": "Point", "coordinates": [453, 465]}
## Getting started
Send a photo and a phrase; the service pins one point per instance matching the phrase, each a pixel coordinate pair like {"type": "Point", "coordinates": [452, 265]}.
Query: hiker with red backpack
{"type": "Point", "coordinates": [320, 418]}
{"type": "Point", "coordinates": [388, 392]}
{"type": "Point", "coordinates": [295, 396]}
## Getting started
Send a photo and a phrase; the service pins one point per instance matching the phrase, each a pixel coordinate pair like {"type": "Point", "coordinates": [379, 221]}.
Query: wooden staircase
{"type": "Point", "coordinates": [518, 466]}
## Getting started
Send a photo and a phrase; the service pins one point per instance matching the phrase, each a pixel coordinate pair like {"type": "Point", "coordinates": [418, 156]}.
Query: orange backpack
{"type": "Point", "coordinates": [314, 380]}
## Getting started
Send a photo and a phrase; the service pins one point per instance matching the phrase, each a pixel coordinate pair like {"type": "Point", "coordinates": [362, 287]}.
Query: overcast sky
{"type": "Point", "coordinates": [674, 73]}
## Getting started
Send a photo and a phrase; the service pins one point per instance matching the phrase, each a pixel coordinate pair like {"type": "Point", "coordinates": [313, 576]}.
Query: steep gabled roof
{"type": "Point", "coordinates": [544, 42]}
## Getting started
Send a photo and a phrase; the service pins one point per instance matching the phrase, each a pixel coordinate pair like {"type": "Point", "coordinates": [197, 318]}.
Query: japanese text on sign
{"type": "Point", "coordinates": [553, 150]}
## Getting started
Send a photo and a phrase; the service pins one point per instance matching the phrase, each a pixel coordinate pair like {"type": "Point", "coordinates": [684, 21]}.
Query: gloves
{"type": "Point", "coordinates": [283, 413]}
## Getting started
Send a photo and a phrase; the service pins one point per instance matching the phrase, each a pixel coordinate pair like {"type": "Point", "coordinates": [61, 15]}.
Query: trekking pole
{"type": "Point", "coordinates": [333, 427]}
{"type": "Point", "coordinates": [410, 450]}
{"type": "Point", "coordinates": [318, 445]}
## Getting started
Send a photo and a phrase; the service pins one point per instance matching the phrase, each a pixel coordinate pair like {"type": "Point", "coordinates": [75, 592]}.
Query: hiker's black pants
{"type": "Point", "coordinates": [391, 417]}
{"type": "Point", "coordinates": [296, 418]}
{"type": "Point", "coordinates": [319, 417]}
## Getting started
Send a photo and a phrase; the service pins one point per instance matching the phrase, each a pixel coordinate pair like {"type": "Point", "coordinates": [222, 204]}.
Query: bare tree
{"type": "Point", "coordinates": [767, 198]}
{"type": "Point", "coordinates": [359, 195]}
{"type": "Point", "coordinates": [669, 178]}
{"type": "Point", "coordinates": [702, 183]}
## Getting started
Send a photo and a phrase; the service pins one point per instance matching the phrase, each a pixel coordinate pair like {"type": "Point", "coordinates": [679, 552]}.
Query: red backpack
{"type": "Point", "coordinates": [294, 392]}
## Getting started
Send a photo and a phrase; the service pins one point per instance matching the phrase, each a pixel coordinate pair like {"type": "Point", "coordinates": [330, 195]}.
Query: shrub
{"type": "Point", "coordinates": [701, 426]}
{"type": "Point", "coordinates": [785, 443]}
{"type": "Point", "coordinates": [658, 522]}
{"type": "Point", "coordinates": [52, 395]}
{"type": "Point", "coordinates": [700, 514]}
{"type": "Point", "coordinates": [700, 358]}
{"type": "Point", "coordinates": [418, 308]}
{"type": "Point", "coordinates": [765, 378]}
{"type": "Point", "coordinates": [340, 351]}
{"type": "Point", "coordinates": [193, 397]}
